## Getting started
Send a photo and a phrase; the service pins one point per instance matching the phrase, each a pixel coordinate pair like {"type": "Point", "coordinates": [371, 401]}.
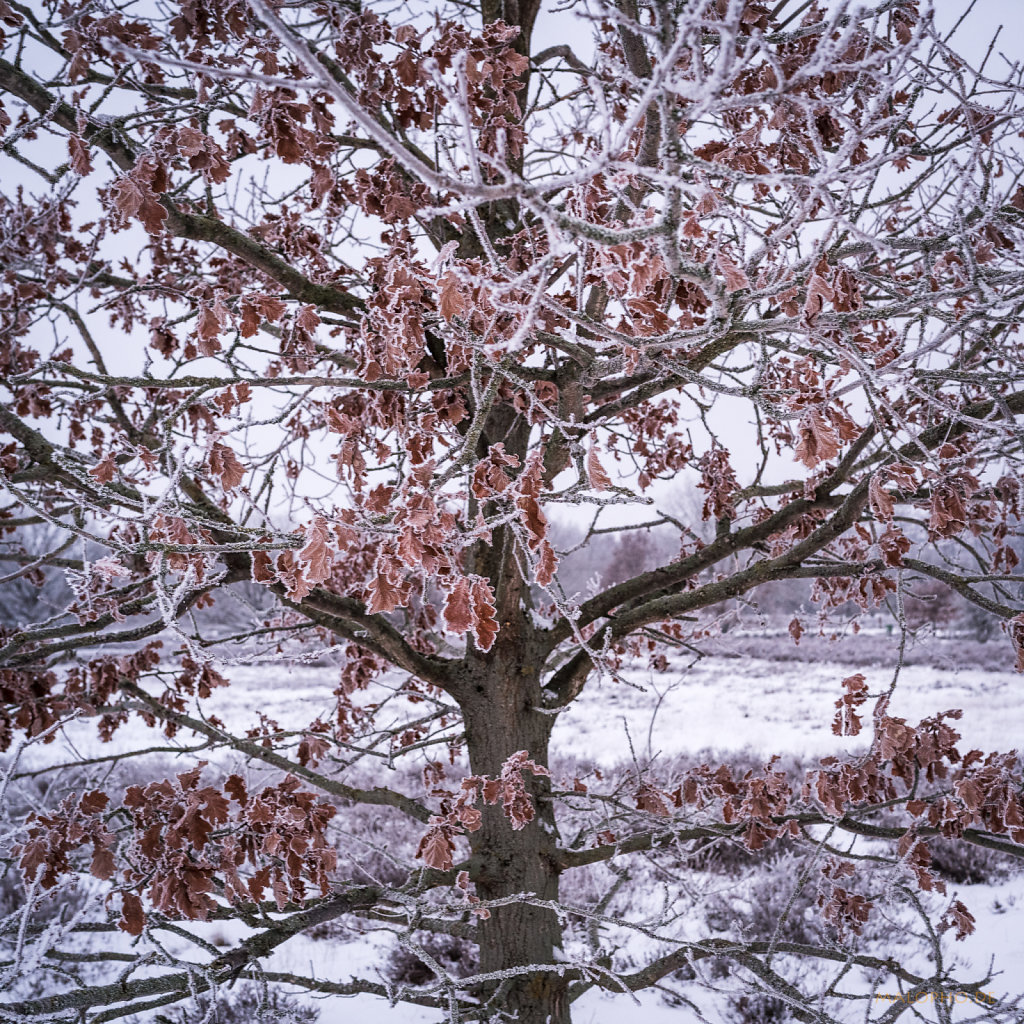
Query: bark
{"type": "Point", "coordinates": [500, 719]}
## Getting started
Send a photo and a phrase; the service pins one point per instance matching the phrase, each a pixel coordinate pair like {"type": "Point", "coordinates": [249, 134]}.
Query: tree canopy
{"type": "Point", "coordinates": [330, 311]}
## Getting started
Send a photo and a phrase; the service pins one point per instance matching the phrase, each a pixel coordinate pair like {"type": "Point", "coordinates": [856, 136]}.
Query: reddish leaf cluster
{"type": "Point", "coordinates": [185, 838]}
{"type": "Point", "coordinates": [719, 481]}
{"type": "Point", "coordinates": [469, 607]}
{"type": "Point", "coordinates": [459, 815]}
{"type": "Point", "coordinates": [27, 703]}
{"type": "Point", "coordinates": [32, 700]}
{"type": "Point", "coordinates": [843, 909]}
{"type": "Point", "coordinates": [847, 722]}
{"type": "Point", "coordinates": [979, 791]}
{"type": "Point", "coordinates": [53, 837]}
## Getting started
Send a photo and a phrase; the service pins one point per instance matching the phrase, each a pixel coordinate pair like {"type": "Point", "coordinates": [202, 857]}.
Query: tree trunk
{"type": "Point", "coordinates": [500, 720]}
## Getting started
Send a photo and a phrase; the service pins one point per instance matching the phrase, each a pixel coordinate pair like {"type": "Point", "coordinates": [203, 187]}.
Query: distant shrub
{"type": "Point", "coordinates": [965, 864]}
{"type": "Point", "coordinates": [250, 1004]}
{"type": "Point", "coordinates": [758, 1008]}
{"type": "Point", "coordinates": [457, 956]}
{"type": "Point", "coordinates": [774, 913]}
{"type": "Point", "coordinates": [61, 903]}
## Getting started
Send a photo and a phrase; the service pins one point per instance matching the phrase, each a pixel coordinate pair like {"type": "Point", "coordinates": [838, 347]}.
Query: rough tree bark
{"type": "Point", "coordinates": [500, 720]}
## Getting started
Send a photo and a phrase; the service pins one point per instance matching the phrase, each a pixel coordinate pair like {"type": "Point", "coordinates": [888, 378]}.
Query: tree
{"type": "Point", "coordinates": [345, 299]}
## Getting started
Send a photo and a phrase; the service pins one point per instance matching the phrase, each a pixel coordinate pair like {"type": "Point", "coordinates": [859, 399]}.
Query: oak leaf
{"type": "Point", "coordinates": [102, 864]}
{"type": "Point", "coordinates": [818, 442]}
{"type": "Point", "coordinates": [224, 464]}
{"type": "Point", "coordinates": [485, 625]}
{"type": "Point", "coordinates": [880, 499]}
{"type": "Point", "coordinates": [544, 573]}
{"type": "Point", "coordinates": [599, 479]}
{"type": "Point", "coordinates": [652, 800]}
{"type": "Point", "coordinates": [316, 556]}
{"type": "Point", "coordinates": [103, 472]}
{"type": "Point", "coordinates": [847, 722]}
{"type": "Point", "coordinates": [452, 302]}
{"type": "Point", "coordinates": [307, 319]}
{"type": "Point", "coordinates": [959, 918]}
{"type": "Point", "coordinates": [251, 319]}
{"type": "Point", "coordinates": [133, 920]}
{"type": "Point", "coordinates": [819, 291]}
{"type": "Point", "coordinates": [458, 612]}
{"type": "Point", "coordinates": [436, 848]}
{"type": "Point", "coordinates": [384, 595]}
{"type": "Point", "coordinates": [735, 277]}
{"type": "Point", "coordinates": [78, 149]}
{"type": "Point", "coordinates": [208, 330]}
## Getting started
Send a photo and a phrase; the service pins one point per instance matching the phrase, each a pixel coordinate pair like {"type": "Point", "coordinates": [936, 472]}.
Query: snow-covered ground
{"type": "Point", "coordinates": [775, 707]}
{"type": "Point", "coordinates": [721, 705]}
{"type": "Point", "coordinates": [718, 704]}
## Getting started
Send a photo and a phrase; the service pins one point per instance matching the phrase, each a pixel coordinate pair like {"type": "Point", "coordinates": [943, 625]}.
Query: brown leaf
{"type": "Point", "coordinates": [317, 555]}
{"type": "Point", "coordinates": [208, 330]}
{"type": "Point", "coordinates": [948, 514]}
{"type": "Point", "coordinates": [818, 442]}
{"type": "Point", "coordinates": [224, 463]}
{"type": "Point", "coordinates": [262, 567]}
{"type": "Point", "coordinates": [79, 151]}
{"type": "Point", "coordinates": [127, 196]}
{"type": "Point", "coordinates": [162, 338]}
{"type": "Point", "coordinates": [719, 480]}
{"type": "Point", "coordinates": [546, 565]}
{"type": "Point", "coordinates": [102, 865]}
{"type": "Point", "coordinates": [251, 319]}
{"type": "Point", "coordinates": [652, 800]}
{"type": "Point", "coordinates": [137, 193]}
{"type": "Point", "coordinates": [291, 572]}
{"type": "Point", "coordinates": [847, 291]}
{"type": "Point", "coordinates": [307, 319]}
{"type": "Point", "coordinates": [270, 306]}
{"type": "Point", "coordinates": [735, 277]}
{"type": "Point", "coordinates": [385, 596]}
{"type": "Point", "coordinates": [436, 848]}
{"type": "Point", "coordinates": [452, 301]}
{"type": "Point", "coordinates": [536, 521]}
{"type": "Point", "coordinates": [958, 917]}
{"type": "Point", "coordinates": [103, 472]}
{"type": "Point", "coordinates": [458, 613]}
{"type": "Point", "coordinates": [880, 499]}
{"type": "Point", "coordinates": [93, 802]}
{"type": "Point", "coordinates": [847, 722]}
{"type": "Point", "coordinates": [819, 291]}
{"type": "Point", "coordinates": [485, 625]}
{"type": "Point", "coordinates": [489, 476]}
{"type": "Point", "coordinates": [902, 22]}
{"type": "Point", "coordinates": [599, 479]}
{"type": "Point", "coordinates": [209, 680]}
{"type": "Point", "coordinates": [133, 920]}
{"type": "Point", "coordinates": [893, 544]}
{"type": "Point", "coordinates": [235, 786]}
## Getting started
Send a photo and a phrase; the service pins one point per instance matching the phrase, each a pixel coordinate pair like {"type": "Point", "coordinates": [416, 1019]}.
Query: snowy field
{"type": "Point", "coordinates": [720, 705]}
